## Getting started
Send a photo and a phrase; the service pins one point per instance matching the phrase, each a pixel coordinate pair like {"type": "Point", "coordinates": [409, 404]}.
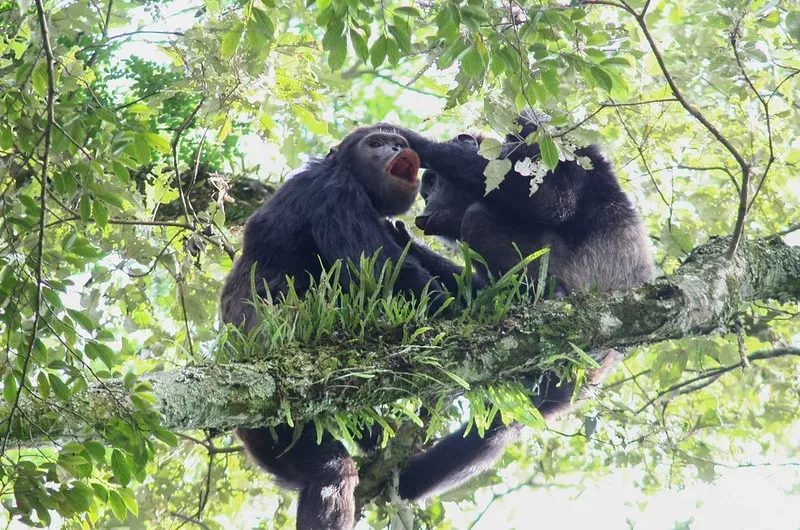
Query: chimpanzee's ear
{"type": "Point", "coordinates": [332, 153]}
{"type": "Point", "coordinates": [467, 140]}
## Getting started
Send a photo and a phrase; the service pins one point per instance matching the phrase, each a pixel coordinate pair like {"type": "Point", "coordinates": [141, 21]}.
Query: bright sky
{"type": "Point", "coordinates": [742, 499]}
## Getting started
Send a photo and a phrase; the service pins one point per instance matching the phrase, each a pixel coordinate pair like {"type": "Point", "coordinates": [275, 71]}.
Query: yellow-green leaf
{"type": "Point", "coordinates": [231, 41]}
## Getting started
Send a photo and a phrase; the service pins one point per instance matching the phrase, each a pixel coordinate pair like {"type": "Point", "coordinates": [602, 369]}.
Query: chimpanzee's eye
{"type": "Point", "coordinates": [375, 143]}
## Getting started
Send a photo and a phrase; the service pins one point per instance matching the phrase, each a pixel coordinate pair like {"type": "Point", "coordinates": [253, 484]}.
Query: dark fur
{"type": "Point", "coordinates": [596, 241]}
{"type": "Point", "coordinates": [334, 209]}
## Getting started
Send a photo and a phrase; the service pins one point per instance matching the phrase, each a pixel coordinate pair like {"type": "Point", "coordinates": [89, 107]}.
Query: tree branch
{"type": "Point", "coordinates": [703, 296]}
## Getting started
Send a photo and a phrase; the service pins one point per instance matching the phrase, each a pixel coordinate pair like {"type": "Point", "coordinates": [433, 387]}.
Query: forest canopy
{"type": "Point", "coordinates": [137, 137]}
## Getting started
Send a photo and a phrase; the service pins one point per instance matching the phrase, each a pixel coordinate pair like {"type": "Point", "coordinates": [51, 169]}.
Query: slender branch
{"type": "Point", "coordinates": [681, 387]}
{"type": "Point", "coordinates": [83, 150]}
{"type": "Point", "coordinates": [713, 168]}
{"type": "Point", "coordinates": [765, 103]}
{"type": "Point", "coordinates": [691, 109]}
{"type": "Point", "coordinates": [130, 34]}
{"type": "Point", "coordinates": [187, 519]}
{"type": "Point", "coordinates": [48, 130]}
{"type": "Point", "coordinates": [612, 105]}
{"type": "Point", "coordinates": [391, 80]}
{"type": "Point", "coordinates": [792, 228]}
{"type": "Point", "coordinates": [174, 145]}
{"type": "Point", "coordinates": [741, 215]}
{"type": "Point", "coordinates": [739, 328]}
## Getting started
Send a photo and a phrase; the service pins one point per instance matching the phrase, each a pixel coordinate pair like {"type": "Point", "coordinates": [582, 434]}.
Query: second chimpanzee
{"type": "Point", "coordinates": [335, 209]}
{"type": "Point", "coordinates": [596, 241]}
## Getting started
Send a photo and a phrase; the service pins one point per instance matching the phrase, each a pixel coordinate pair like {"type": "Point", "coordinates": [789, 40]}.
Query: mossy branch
{"type": "Point", "coordinates": [700, 298]}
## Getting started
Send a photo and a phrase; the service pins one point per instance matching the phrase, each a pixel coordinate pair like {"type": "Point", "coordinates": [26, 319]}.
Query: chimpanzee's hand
{"type": "Point", "coordinates": [416, 141]}
{"type": "Point", "coordinates": [400, 232]}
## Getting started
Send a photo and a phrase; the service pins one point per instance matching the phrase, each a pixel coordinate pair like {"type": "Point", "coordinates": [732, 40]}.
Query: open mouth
{"type": "Point", "coordinates": [405, 166]}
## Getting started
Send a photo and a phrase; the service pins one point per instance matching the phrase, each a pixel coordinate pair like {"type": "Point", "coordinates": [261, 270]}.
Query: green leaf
{"type": "Point", "coordinates": [130, 501]}
{"type": "Point", "coordinates": [167, 437]}
{"type": "Point", "coordinates": [95, 349]}
{"type": "Point", "coordinates": [337, 47]}
{"type": "Point", "coordinates": [231, 41]}
{"type": "Point", "coordinates": [39, 78]}
{"type": "Point", "coordinates": [10, 388]}
{"type": "Point", "coordinates": [377, 53]}
{"type": "Point", "coordinates": [495, 172]}
{"type": "Point", "coordinates": [100, 491]}
{"type": "Point", "coordinates": [99, 213]}
{"type": "Point", "coordinates": [471, 62]}
{"type": "Point", "coordinates": [139, 150]}
{"type": "Point", "coordinates": [111, 198]}
{"type": "Point", "coordinates": [617, 61]}
{"type": "Point", "coordinates": [453, 52]}
{"type": "Point", "coordinates": [42, 386]}
{"type": "Point", "coordinates": [793, 25]}
{"type": "Point", "coordinates": [84, 321]}
{"type": "Point", "coordinates": [157, 142]}
{"type": "Point", "coordinates": [85, 208]}
{"type": "Point", "coordinates": [359, 45]}
{"type": "Point", "coordinates": [549, 152]}
{"type": "Point", "coordinates": [619, 88]}
{"type": "Point", "coordinates": [121, 172]}
{"type": "Point", "coordinates": [121, 467]}
{"type": "Point", "coordinates": [550, 82]}
{"type": "Point", "coordinates": [97, 451]}
{"type": "Point", "coordinates": [475, 12]}
{"type": "Point", "coordinates": [60, 389]}
{"type": "Point", "coordinates": [117, 505]}
{"type": "Point", "coordinates": [401, 35]}
{"type": "Point", "coordinates": [264, 23]}
{"type": "Point", "coordinates": [602, 78]}
{"type": "Point", "coordinates": [225, 130]}
{"type": "Point", "coordinates": [490, 148]}
{"type": "Point", "coordinates": [308, 120]}
{"type": "Point", "coordinates": [408, 11]}
{"type": "Point", "coordinates": [392, 51]}
{"type": "Point", "coordinates": [771, 20]}
{"type": "Point", "coordinates": [80, 496]}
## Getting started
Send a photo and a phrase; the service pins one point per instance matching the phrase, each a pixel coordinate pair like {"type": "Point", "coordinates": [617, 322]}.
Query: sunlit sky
{"type": "Point", "coordinates": [756, 498]}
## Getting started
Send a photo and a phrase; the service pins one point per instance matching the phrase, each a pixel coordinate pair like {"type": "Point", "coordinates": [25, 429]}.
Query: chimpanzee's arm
{"type": "Point", "coordinates": [553, 203]}
{"type": "Point", "coordinates": [436, 264]}
{"type": "Point", "coordinates": [346, 227]}
{"type": "Point", "coordinates": [454, 460]}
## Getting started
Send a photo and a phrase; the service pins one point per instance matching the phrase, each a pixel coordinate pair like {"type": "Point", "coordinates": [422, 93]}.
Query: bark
{"type": "Point", "coordinates": [700, 298]}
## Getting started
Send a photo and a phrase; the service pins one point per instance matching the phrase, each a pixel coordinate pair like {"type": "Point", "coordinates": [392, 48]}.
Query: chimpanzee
{"type": "Point", "coordinates": [596, 241]}
{"type": "Point", "coordinates": [334, 209]}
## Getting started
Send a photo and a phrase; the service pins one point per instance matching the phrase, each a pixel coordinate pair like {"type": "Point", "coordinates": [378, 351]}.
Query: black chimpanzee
{"type": "Point", "coordinates": [334, 209]}
{"type": "Point", "coordinates": [596, 240]}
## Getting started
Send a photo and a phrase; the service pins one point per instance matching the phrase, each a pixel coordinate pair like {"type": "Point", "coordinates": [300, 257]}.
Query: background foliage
{"type": "Point", "coordinates": [135, 138]}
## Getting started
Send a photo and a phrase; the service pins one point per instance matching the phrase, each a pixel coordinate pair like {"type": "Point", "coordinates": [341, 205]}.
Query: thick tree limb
{"type": "Point", "coordinates": [701, 297]}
